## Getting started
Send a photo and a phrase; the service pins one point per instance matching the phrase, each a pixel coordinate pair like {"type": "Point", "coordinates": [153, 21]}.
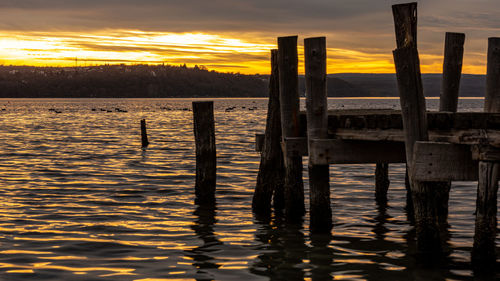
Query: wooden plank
{"type": "Point", "coordinates": [452, 71]}
{"type": "Point", "coordinates": [270, 179]}
{"type": "Point", "coordinates": [485, 153]}
{"type": "Point", "coordinates": [391, 119]}
{"type": "Point", "coordinates": [320, 211]}
{"type": "Point", "coordinates": [290, 125]}
{"type": "Point", "coordinates": [469, 137]}
{"type": "Point", "coordinates": [332, 151]}
{"type": "Point", "coordinates": [295, 147]}
{"type": "Point", "coordinates": [434, 161]}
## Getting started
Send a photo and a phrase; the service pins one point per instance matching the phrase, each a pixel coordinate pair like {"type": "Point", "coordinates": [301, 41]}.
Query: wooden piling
{"type": "Point", "coordinates": [492, 98]}
{"type": "Point", "coordinates": [483, 251]}
{"type": "Point", "coordinates": [144, 134]}
{"type": "Point", "coordinates": [381, 183]}
{"type": "Point", "coordinates": [448, 101]}
{"type": "Point", "coordinates": [289, 107]}
{"type": "Point", "coordinates": [414, 123]}
{"type": "Point", "coordinates": [405, 25]}
{"type": "Point", "coordinates": [271, 175]}
{"type": "Point", "coordinates": [204, 133]}
{"type": "Point", "coordinates": [452, 71]}
{"type": "Point", "coordinates": [317, 128]}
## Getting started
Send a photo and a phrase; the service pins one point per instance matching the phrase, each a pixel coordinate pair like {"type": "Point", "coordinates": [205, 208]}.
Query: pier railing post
{"type": "Point", "coordinates": [144, 134]}
{"type": "Point", "coordinates": [448, 101]}
{"type": "Point", "coordinates": [289, 103]}
{"type": "Point", "coordinates": [317, 128]}
{"type": "Point", "coordinates": [413, 111]}
{"type": "Point", "coordinates": [483, 251]}
{"type": "Point", "coordinates": [206, 162]}
{"type": "Point", "coordinates": [271, 170]}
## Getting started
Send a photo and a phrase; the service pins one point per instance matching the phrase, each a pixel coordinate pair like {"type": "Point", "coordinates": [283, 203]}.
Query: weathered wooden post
{"type": "Point", "coordinates": [492, 99]}
{"type": "Point", "coordinates": [206, 162]}
{"type": "Point", "coordinates": [144, 134]}
{"type": "Point", "coordinates": [448, 101]}
{"type": "Point", "coordinates": [414, 123]}
{"type": "Point", "coordinates": [289, 104]}
{"type": "Point", "coordinates": [405, 23]}
{"type": "Point", "coordinates": [271, 175]}
{"type": "Point", "coordinates": [452, 71]}
{"type": "Point", "coordinates": [317, 128]}
{"type": "Point", "coordinates": [381, 182]}
{"type": "Point", "coordinates": [483, 251]}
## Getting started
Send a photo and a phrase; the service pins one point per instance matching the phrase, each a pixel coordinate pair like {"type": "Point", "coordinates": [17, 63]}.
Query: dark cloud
{"type": "Point", "coordinates": [186, 15]}
{"type": "Point", "coordinates": [342, 19]}
{"type": "Point", "coordinates": [362, 25]}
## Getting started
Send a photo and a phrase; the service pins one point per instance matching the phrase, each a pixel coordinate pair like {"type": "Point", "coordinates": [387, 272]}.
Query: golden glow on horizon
{"type": "Point", "coordinates": [216, 52]}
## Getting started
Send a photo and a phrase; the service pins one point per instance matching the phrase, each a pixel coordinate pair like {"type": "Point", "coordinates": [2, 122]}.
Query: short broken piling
{"type": "Point", "coordinates": [270, 179]}
{"type": "Point", "coordinates": [204, 133]}
{"type": "Point", "coordinates": [381, 183]}
{"type": "Point", "coordinates": [144, 134]}
{"type": "Point", "coordinates": [289, 102]}
{"type": "Point", "coordinates": [317, 128]}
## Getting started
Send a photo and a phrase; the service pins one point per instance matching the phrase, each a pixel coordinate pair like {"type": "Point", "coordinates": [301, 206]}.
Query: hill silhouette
{"type": "Point", "coordinates": [164, 81]}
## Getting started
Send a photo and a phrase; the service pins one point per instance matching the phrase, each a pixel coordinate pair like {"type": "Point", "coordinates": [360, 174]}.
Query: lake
{"type": "Point", "coordinates": [80, 200]}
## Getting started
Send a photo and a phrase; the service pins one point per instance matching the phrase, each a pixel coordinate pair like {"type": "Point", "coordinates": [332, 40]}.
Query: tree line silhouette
{"type": "Point", "coordinates": [126, 81]}
{"type": "Point", "coordinates": [167, 81]}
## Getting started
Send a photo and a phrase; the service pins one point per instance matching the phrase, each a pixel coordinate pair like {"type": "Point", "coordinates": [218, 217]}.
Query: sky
{"type": "Point", "coordinates": [235, 35]}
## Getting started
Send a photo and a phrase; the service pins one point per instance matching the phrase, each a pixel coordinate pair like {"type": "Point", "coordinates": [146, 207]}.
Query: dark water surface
{"type": "Point", "coordinates": [80, 200]}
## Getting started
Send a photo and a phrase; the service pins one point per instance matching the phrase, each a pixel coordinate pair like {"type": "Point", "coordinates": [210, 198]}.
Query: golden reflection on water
{"type": "Point", "coordinates": [81, 200]}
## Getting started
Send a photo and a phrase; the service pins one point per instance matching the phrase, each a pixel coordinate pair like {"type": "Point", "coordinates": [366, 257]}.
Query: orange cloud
{"type": "Point", "coordinates": [245, 53]}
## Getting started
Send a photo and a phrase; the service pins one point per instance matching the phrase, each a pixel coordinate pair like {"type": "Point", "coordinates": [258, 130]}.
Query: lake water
{"type": "Point", "coordinates": [80, 200]}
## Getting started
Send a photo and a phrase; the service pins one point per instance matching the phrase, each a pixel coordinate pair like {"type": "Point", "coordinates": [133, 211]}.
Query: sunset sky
{"type": "Point", "coordinates": [234, 35]}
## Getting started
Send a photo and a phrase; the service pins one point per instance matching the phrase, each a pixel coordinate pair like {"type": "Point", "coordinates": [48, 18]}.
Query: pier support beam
{"type": "Point", "coordinates": [271, 175]}
{"type": "Point", "coordinates": [415, 124]}
{"type": "Point", "coordinates": [483, 252]}
{"type": "Point", "coordinates": [317, 128]}
{"type": "Point", "coordinates": [206, 162]}
{"type": "Point", "coordinates": [289, 102]}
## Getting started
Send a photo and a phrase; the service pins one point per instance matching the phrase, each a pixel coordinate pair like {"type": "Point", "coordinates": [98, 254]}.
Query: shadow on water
{"type": "Point", "coordinates": [204, 229]}
{"type": "Point", "coordinates": [283, 250]}
{"type": "Point", "coordinates": [286, 254]}
{"type": "Point", "coordinates": [321, 257]}
{"type": "Point", "coordinates": [420, 267]}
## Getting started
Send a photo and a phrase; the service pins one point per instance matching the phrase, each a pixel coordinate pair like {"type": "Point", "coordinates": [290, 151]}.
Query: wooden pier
{"type": "Point", "coordinates": [438, 147]}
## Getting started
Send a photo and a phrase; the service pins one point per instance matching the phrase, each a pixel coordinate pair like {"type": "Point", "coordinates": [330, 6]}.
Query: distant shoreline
{"type": "Point", "coordinates": [167, 81]}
